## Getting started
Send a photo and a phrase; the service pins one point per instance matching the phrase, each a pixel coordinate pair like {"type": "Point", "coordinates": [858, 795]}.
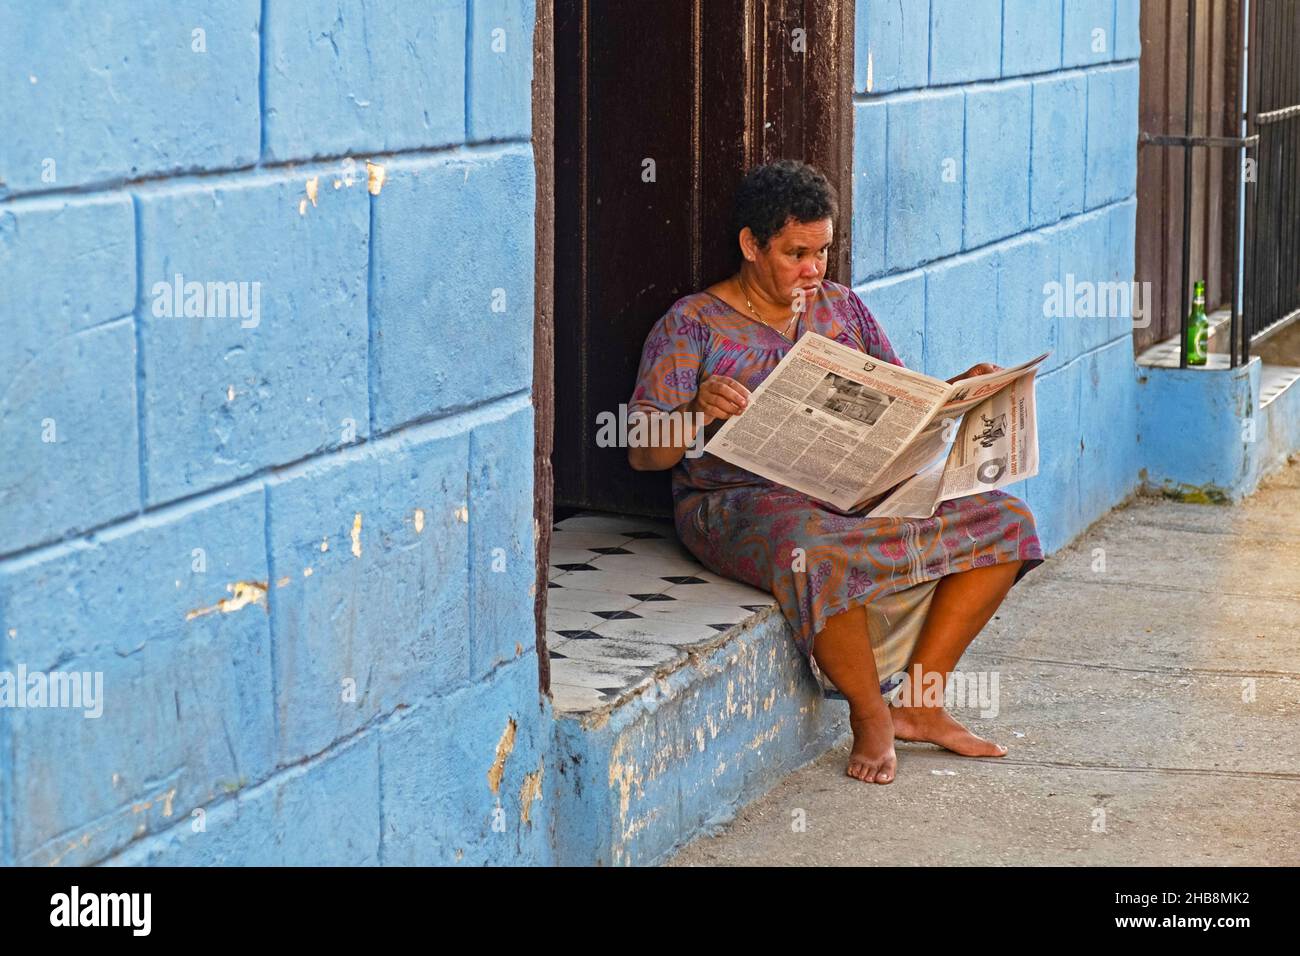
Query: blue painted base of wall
{"type": "Point", "coordinates": [1203, 436]}
{"type": "Point", "coordinates": [635, 783]}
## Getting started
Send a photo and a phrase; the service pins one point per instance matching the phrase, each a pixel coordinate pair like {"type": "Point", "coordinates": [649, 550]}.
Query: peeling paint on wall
{"type": "Point", "coordinates": [636, 827]}
{"type": "Point", "coordinates": [375, 176]}
{"type": "Point", "coordinates": [504, 746]}
{"type": "Point", "coordinates": [419, 520]}
{"type": "Point", "coordinates": [243, 593]}
{"type": "Point", "coordinates": [167, 798]}
{"type": "Point", "coordinates": [462, 513]}
{"type": "Point", "coordinates": [82, 842]}
{"type": "Point", "coordinates": [313, 187]}
{"type": "Point", "coordinates": [531, 791]}
{"type": "Point", "coordinates": [623, 776]}
{"type": "Point", "coordinates": [766, 736]}
{"type": "Point", "coordinates": [356, 536]}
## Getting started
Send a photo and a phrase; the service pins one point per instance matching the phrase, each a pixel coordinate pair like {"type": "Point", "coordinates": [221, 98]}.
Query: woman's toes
{"type": "Point", "coordinates": [869, 772]}
{"type": "Point", "coordinates": [872, 758]}
{"type": "Point", "coordinates": [936, 725]}
{"type": "Point", "coordinates": [970, 745]}
{"type": "Point", "coordinates": [860, 769]}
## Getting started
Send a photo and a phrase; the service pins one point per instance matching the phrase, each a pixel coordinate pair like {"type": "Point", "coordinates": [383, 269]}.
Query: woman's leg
{"type": "Point", "coordinates": [842, 650]}
{"type": "Point", "coordinates": [962, 604]}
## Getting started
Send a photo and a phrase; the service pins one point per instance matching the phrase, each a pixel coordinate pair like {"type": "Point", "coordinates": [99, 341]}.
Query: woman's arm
{"type": "Point", "coordinates": [719, 397]}
{"type": "Point", "coordinates": [662, 456]}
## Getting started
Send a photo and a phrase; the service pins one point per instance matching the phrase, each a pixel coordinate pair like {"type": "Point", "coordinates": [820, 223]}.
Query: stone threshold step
{"type": "Point", "coordinates": [676, 756]}
{"type": "Point", "coordinates": [679, 695]}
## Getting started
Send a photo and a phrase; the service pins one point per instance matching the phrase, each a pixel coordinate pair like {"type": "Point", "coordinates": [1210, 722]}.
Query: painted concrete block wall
{"type": "Point", "coordinates": [995, 153]}
{"type": "Point", "coordinates": [288, 518]}
{"type": "Point", "coordinates": [1238, 439]}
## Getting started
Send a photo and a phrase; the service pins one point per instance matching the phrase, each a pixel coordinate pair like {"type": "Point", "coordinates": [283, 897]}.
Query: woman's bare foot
{"type": "Point", "coordinates": [872, 759]}
{"type": "Point", "coordinates": [935, 725]}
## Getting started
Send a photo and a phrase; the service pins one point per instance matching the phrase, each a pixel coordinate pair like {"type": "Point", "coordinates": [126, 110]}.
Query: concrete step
{"type": "Point", "coordinates": [679, 695]}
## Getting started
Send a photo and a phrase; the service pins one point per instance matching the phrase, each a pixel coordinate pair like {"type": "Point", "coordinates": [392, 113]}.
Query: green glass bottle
{"type": "Point", "coordinates": [1198, 328]}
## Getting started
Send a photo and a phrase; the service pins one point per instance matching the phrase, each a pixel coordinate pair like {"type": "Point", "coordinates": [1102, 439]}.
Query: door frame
{"type": "Point", "coordinates": [543, 393]}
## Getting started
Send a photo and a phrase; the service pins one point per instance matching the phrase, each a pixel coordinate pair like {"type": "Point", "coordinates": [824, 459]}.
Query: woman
{"type": "Point", "coordinates": [827, 568]}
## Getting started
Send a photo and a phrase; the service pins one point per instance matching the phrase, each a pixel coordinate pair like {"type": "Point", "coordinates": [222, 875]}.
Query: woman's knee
{"type": "Point", "coordinates": [1016, 508]}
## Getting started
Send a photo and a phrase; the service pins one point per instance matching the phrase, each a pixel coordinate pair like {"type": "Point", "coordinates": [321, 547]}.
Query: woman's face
{"type": "Point", "coordinates": [795, 258]}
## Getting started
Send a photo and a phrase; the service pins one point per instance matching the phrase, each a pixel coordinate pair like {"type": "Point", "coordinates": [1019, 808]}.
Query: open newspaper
{"type": "Point", "coordinates": [846, 428]}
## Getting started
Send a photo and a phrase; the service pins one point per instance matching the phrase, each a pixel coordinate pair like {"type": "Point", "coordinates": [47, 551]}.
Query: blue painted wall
{"type": "Point", "coordinates": [995, 151]}
{"type": "Point", "coordinates": [1217, 409]}
{"type": "Point", "coordinates": [233, 515]}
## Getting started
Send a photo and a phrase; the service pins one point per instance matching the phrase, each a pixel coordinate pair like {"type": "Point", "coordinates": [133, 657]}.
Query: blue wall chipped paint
{"type": "Point", "coordinates": [1009, 162]}
{"type": "Point", "coordinates": [238, 516]}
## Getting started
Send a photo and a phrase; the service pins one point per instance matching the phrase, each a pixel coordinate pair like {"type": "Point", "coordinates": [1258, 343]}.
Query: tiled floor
{"type": "Point", "coordinates": [625, 599]}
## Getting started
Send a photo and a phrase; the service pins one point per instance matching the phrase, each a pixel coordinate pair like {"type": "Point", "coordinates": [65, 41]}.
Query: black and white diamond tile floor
{"type": "Point", "coordinates": [625, 599]}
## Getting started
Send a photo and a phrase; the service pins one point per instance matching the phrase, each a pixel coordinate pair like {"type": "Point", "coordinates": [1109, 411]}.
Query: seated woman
{"type": "Point", "coordinates": [826, 567]}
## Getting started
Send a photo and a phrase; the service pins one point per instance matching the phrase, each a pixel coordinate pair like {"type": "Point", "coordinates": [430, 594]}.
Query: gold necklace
{"type": "Point", "coordinates": [793, 318]}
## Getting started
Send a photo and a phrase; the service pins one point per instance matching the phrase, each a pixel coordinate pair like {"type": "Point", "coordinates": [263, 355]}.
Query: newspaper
{"type": "Point", "coordinates": [844, 427]}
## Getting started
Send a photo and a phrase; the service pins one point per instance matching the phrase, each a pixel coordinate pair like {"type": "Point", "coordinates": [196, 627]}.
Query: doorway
{"type": "Point", "coordinates": [655, 113]}
{"type": "Point", "coordinates": [660, 108]}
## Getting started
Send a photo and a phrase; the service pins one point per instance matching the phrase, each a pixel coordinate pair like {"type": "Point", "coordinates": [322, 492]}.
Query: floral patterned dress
{"type": "Point", "coordinates": [743, 526]}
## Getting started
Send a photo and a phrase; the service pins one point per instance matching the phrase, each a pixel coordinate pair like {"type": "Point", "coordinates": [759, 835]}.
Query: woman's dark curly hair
{"type": "Point", "coordinates": [769, 195]}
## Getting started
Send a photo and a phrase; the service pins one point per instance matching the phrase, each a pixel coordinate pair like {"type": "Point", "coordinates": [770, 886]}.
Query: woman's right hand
{"type": "Point", "coordinates": [719, 397]}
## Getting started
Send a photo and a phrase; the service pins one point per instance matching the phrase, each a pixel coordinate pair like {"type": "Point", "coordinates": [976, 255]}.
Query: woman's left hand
{"type": "Point", "coordinates": [983, 368]}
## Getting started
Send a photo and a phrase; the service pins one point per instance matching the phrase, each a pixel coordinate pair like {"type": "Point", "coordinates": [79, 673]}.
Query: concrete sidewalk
{"type": "Point", "coordinates": [1150, 704]}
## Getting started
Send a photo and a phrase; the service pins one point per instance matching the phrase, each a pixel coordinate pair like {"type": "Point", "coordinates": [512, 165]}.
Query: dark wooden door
{"type": "Point", "coordinates": [660, 108]}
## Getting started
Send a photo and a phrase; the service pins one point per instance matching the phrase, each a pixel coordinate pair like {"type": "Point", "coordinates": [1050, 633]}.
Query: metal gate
{"type": "Point", "coordinates": [1272, 270]}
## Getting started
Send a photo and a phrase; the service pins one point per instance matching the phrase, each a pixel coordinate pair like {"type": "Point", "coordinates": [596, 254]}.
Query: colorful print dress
{"type": "Point", "coordinates": [743, 526]}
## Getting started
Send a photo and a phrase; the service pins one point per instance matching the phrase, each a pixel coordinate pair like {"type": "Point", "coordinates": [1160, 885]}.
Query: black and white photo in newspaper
{"type": "Point", "coordinates": [830, 421]}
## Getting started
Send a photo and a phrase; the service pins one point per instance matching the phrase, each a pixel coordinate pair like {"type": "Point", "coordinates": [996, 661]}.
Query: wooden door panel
{"type": "Point", "coordinates": [660, 108]}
